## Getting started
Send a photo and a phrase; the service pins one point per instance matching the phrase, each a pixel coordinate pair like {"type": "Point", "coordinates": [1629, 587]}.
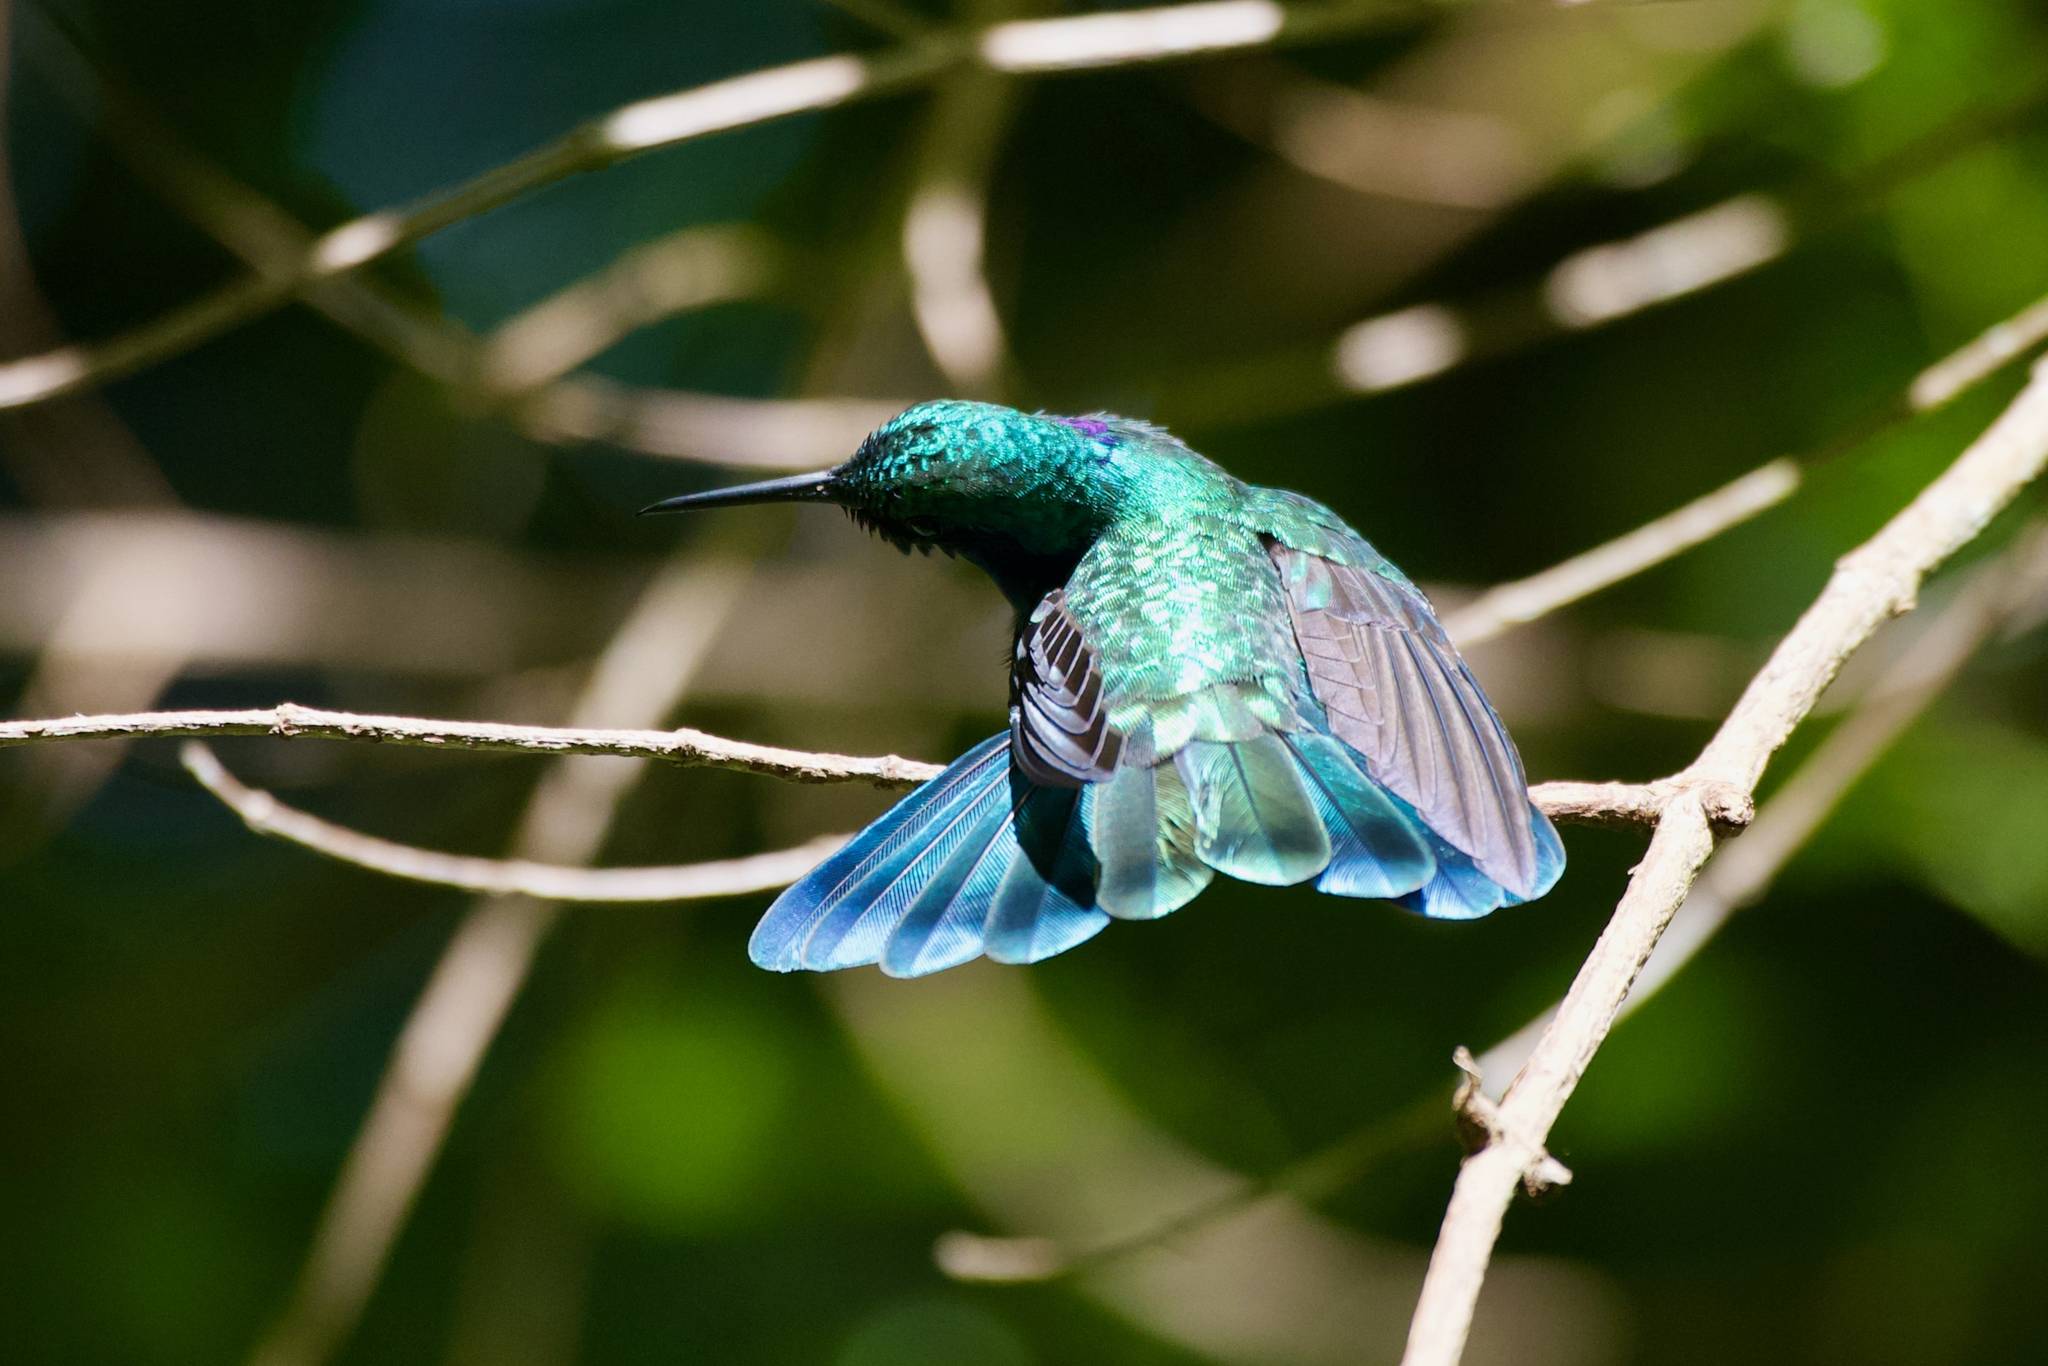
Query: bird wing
{"type": "Point", "coordinates": [1059, 723]}
{"type": "Point", "coordinates": [1397, 691]}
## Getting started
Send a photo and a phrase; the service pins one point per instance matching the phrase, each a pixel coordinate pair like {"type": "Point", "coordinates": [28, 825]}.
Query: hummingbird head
{"type": "Point", "coordinates": [1021, 494]}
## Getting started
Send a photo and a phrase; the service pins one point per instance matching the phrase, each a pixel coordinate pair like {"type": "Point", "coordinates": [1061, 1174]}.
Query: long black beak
{"type": "Point", "coordinates": [797, 488]}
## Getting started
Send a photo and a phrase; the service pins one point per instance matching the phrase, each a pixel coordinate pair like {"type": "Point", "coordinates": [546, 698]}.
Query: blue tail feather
{"type": "Point", "coordinates": [942, 927]}
{"type": "Point", "coordinates": [855, 931]}
{"type": "Point", "coordinates": [882, 851]}
{"type": "Point", "coordinates": [1460, 891]}
{"type": "Point", "coordinates": [1376, 850]}
{"type": "Point", "coordinates": [1141, 825]}
{"type": "Point", "coordinates": [1046, 903]}
{"type": "Point", "coordinates": [1254, 817]}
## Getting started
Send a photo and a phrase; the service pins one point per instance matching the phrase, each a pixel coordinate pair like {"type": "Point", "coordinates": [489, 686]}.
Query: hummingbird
{"type": "Point", "coordinates": [1208, 677]}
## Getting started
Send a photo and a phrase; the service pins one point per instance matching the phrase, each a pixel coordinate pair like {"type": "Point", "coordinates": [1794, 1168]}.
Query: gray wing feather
{"type": "Point", "coordinates": [1398, 692]}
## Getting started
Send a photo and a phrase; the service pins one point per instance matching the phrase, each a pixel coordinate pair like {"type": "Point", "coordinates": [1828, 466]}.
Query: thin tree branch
{"type": "Point", "coordinates": [1621, 804]}
{"type": "Point", "coordinates": [266, 815]}
{"type": "Point", "coordinates": [796, 433]}
{"type": "Point", "coordinates": [1999, 597]}
{"type": "Point", "coordinates": [289, 720]}
{"type": "Point", "coordinates": [1023, 47]}
{"type": "Point", "coordinates": [801, 433]}
{"type": "Point", "coordinates": [1870, 585]}
{"type": "Point", "coordinates": [1522, 601]}
{"type": "Point", "coordinates": [1502, 608]}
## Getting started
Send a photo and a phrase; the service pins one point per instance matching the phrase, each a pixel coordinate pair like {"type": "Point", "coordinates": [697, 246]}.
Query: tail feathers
{"type": "Point", "coordinates": [942, 926]}
{"type": "Point", "coordinates": [1142, 826]}
{"type": "Point", "coordinates": [1047, 901]}
{"type": "Point", "coordinates": [963, 865]}
{"type": "Point", "coordinates": [1376, 850]}
{"type": "Point", "coordinates": [823, 908]}
{"type": "Point", "coordinates": [979, 861]}
{"type": "Point", "coordinates": [1254, 817]}
{"type": "Point", "coordinates": [1459, 891]}
{"type": "Point", "coordinates": [859, 920]}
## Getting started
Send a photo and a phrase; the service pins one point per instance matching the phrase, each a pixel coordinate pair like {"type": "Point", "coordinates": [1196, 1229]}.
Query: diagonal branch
{"type": "Point", "coordinates": [1508, 605]}
{"type": "Point", "coordinates": [1875, 582]}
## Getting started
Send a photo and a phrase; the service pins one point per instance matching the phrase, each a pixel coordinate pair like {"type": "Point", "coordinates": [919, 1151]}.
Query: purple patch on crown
{"type": "Point", "coordinates": [1088, 426]}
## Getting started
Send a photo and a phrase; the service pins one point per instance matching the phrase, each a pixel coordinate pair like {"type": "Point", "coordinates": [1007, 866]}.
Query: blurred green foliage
{"type": "Point", "coordinates": [1815, 1146]}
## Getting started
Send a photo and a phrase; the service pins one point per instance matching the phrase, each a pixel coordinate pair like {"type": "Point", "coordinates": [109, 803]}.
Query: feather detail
{"type": "Point", "coordinates": [1046, 903]}
{"type": "Point", "coordinates": [1461, 890]}
{"type": "Point", "coordinates": [1376, 850]}
{"type": "Point", "coordinates": [1143, 833]}
{"type": "Point", "coordinates": [942, 927]}
{"type": "Point", "coordinates": [1254, 818]}
{"type": "Point", "coordinates": [1396, 691]}
{"type": "Point", "coordinates": [880, 852]}
{"type": "Point", "coordinates": [1061, 736]}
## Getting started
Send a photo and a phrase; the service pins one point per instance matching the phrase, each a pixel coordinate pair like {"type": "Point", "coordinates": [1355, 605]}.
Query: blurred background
{"type": "Point", "coordinates": [1498, 281]}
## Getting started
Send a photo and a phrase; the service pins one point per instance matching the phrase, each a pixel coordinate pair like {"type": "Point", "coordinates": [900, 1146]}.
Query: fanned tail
{"type": "Point", "coordinates": [973, 861]}
{"type": "Point", "coordinates": [980, 861]}
{"type": "Point", "coordinates": [1281, 809]}
{"type": "Point", "coordinates": [1272, 809]}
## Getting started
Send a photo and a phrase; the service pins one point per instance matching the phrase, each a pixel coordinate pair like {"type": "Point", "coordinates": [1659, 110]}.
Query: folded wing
{"type": "Point", "coordinates": [1397, 692]}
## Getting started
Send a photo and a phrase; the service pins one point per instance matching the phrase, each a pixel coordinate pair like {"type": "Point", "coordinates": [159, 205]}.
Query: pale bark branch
{"type": "Point", "coordinates": [266, 815]}
{"type": "Point", "coordinates": [1870, 585]}
{"type": "Point", "coordinates": [1574, 802]}
{"type": "Point", "coordinates": [1998, 598]}
{"type": "Point", "coordinates": [289, 720]}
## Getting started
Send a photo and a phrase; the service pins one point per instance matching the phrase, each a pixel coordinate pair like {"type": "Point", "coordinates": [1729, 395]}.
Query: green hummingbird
{"type": "Point", "coordinates": [1209, 677]}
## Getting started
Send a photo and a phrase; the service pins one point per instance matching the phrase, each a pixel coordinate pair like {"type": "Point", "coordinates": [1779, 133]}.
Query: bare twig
{"type": "Point", "coordinates": [686, 269]}
{"type": "Point", "coordinates": [266, 815]}
{"type": "Point", "coordinates": [1579, 803]}
{"type": "Point", "coordinates": [1508, 605]}
{"type": "Point", "coordinates": [1591, 287]}
{"type": "Point", "coordinates": [1877, 581]}
{"type": "Point", "coordinates": [289, 720]}
{"type": "Point", "coordinates": [1984, 356]}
